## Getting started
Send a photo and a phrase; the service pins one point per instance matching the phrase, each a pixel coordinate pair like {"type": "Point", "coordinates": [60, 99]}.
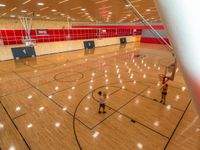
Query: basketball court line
{"type": "Point", "coordinates": [18, 116]}
{"type": "Point", "coordinates": [158, 101]}
{"type": "Point", "coordinates": [115, 111]}
{"type": "Point", "coordinates": [16, 127]}
{"type": "Point", "coordinates": [76, 118]}
{"type": "Point", "coordinates": [178, 124]}
{"type": "Point", "coordinates": [118, 111]}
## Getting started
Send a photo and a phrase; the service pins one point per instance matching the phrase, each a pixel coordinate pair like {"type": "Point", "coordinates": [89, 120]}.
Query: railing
{"type": "Point", "coordinates": [12, 37]}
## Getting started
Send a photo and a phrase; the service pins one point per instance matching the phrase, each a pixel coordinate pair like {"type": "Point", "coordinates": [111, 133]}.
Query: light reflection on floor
{"type": "Point", "coordinates": [40, 97]}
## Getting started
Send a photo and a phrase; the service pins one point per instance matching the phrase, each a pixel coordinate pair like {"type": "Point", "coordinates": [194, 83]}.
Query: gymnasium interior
{"type": "Point", "coordinates": [57, 55]}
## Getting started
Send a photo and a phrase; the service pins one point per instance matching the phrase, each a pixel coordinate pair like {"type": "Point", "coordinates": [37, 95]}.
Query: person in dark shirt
{"type": "Point", "coordinates": [164, 93]}
{"type": "Point", "coordinates": [102, 101]}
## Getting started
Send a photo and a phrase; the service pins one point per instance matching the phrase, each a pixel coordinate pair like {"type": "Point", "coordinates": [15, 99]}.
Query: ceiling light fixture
{"type": "Point", "coordinates": [40, 4]}
{"type": "Point", "coordinates": [102, 1]}
{"type": "Point", "coordinates": [53, 10]}
{"type": "Point", "coordinates": [3, 14]}
{"type": "Point", "coordinates": [26, 2]}
{"type": "Point", "coordinates": [2, 5]}
{"type": "Point", "coordinates": [12, 16]}
{"type": "Point", "coordinates": [13, 9]}
{"type": "Point", "coordinates": [75, 8]}
{"type": "Point", "coordinates": [44, 8]}
{"type": "Point", "coordinates": [63, 1]}
{"type": "Point", "coordinates": [23, 11]}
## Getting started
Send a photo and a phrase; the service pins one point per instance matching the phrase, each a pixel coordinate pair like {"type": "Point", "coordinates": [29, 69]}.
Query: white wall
{"type": "Point", "coordinates": [63, 46]}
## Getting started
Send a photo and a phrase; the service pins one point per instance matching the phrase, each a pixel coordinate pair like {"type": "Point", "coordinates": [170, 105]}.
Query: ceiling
{"type": "Point", "coordinates": [108, 11]}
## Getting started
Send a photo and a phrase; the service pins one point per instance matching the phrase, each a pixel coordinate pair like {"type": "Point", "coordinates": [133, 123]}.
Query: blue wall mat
{"type": "Point", "coordinates": [23, 52]}
{"type": "Point", "coordinates": [123, 41]}
{"type": "Point", "coordinates": [89, 44]}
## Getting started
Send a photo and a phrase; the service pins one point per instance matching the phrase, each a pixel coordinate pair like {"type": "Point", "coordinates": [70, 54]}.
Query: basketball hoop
{"type": "Point", "coordinates": [163, 78]}
{"type": "Point", "coordinates": [27, 25]}
{"type": "Point", "coordinates": [29, 42]}
{"type": "Point", "coordinates": [170, 71]}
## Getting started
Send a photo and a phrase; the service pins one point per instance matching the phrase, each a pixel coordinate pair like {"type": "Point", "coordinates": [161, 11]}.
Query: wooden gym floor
{"type": "Point", "coordinates": [51, 102]}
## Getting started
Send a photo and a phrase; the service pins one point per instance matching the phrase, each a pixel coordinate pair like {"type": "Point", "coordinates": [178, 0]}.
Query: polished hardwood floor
{"type": "Point", "coordinates": [51, 102]}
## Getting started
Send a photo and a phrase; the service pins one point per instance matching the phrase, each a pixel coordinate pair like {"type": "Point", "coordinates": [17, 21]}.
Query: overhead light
{"type": "Point", "coordinates": [83, 9]}
{"type": "Point", "coordinates": [11, 148]}
{"type": "Point", "coordinates": [140, 146]}
{"type": "Point", "coordinates": [2, 5]}
{"type": "Point", "coordinates": [37, 15]}
{"type": "Point", "coordinates": [105, 7]}
{"type": "Point", "coordinates": [12, 16]}
{"type": "Point", "coordinates": [101, 1]}
{"type": "Point", "coordinates": [30, 13]}
{"type": "Point", "coordinates": [44, 8]}
{"type": "Point", "coordinates": [40, 4]}
{"type": "Point", "coordinates": [53, 10]}
{"type": "Point", "coordinates": [62, 14]}
{"type": "Point", "coordinates": [23, 11]}
{"type": "Point", "coordinates": [63, 1]}
{"type": "Point", "coordinates": [136, 1]}
{"type": "Point", "coordinates": [26, 2]}
{"type": "Point", "coordinates": [3, 14]}
{"type": "Point", "coordinates": [96, 134]}
{"type": "Point", "coordinates": [75, 8]}
{"type": "Point", "coordinates": [148, 10]}
{"type": "Point", "coordinates": [13, 9]}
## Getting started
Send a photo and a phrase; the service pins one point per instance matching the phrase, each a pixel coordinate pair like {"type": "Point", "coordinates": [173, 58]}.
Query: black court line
{"type": "Point", "coordinates": [12, 93]}
{"type": "Point", "coordinates": [97, 77]}
{"type": "Point", "coordinates": [36, 67]}
{"type": "Point", "coordinates": [177, 124]}
{"type": "Point", "coordinates": [16, 127]}
{"type": "Point", "coordinates": [155, 100]}
{"type": "Point", "coordinates": [19, 116]}
{"type": "Point", "coordinates": [158, 101]}
{"type": "Point", "coordinates": [53, 80]}
{"type": "Point", "coordinates": [108, 116]}
{"type": "Point", "coordinates": [51, 100]}
{"type": "Point", "coordinates": [86, 95]}
{"type": "Point", "coordinates": [117, 111]}
{"type": "Point", "coordinates": [91, 128]}
{"type": "Point", "coordinates": [73, 73]}
{"type": "Point", "coordinates": [143, 125]}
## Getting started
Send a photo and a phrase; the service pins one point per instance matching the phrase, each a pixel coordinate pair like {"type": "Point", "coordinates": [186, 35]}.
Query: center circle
{"type": "Point", "coordinates": [68, 76]}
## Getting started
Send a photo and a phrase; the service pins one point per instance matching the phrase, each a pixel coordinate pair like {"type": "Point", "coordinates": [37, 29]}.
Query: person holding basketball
{"type": "Point", "coordinates": [164, 93]}
{"type": "Point", "coordinates": [102, 101]}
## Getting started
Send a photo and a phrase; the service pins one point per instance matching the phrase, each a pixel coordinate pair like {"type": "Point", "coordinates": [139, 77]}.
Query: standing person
{"type": "Point", "coordinates": [102, 101]}
{"type": "Point", "coordinates": [164, 93]}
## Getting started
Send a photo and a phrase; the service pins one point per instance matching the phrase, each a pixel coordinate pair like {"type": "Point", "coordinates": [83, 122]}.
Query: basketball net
{"type": "Point", "coordinates": [27, 25]}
